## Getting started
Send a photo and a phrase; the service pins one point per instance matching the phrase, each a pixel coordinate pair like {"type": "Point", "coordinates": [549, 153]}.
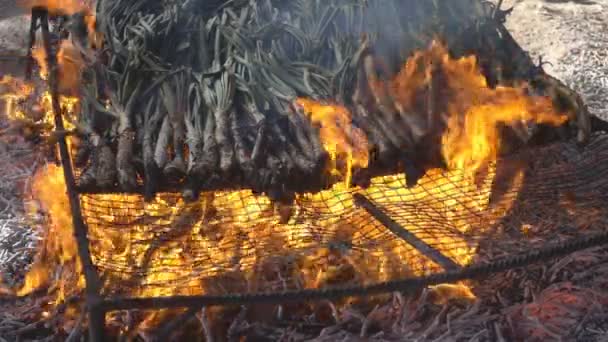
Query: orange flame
{"type": "Point", "coordinates": [56, 7]}
{"type": "Point", "coordinates": [338, 135]}
{"type": "Point", "coordinates": [12, 91]}
{"type": "Point", "coordinates": [20, 107]}
{"type": "Point", "coordinates": [69, 63]}
{"type": "Point", "coordinates": [476, 141]}
{"type": "Point", "coordinates": [472, 110]}
{"type": "Point", "coordinates": [443, 293]}
{"type": "Point", "coordinates": [59, 248]}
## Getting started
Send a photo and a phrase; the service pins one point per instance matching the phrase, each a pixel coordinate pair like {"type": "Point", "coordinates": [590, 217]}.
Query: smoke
{"type": "Point", "coordinates": [397, 28]}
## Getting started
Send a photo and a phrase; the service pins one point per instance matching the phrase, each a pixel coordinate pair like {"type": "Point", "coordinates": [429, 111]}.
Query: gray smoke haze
{"type": "Point", "coordinates": [399, 27]}
{"type": "Point", "coordinates": [396, 28]}
{"type": "Point", "coordinates": [10, 8]}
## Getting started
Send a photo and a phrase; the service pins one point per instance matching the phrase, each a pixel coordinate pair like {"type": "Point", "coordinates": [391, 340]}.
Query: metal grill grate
{"type": "Point", "coordinates": [236, 242]}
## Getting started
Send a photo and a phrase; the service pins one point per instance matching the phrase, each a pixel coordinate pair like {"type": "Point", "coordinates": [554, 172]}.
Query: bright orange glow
{"type": "Point", "coordinates": [240, 236]}
{"type": "Point", "coordinates": [473, 109]}
{"type": "Point", "coordinates": [13, 91]}
{"type": "Point", "coordinates": [343, 141]}
{"type": "Point", "coordinates": [69, 63]}
{"type": "Point", "coordinates": [59, 248]}
{"type": "Point", "coordinates": [56, 7]}
{"type": "Point", "coordinates": [69, 58]}
{"type": "Point", "coordinates": [229, 228]}
{"type": "Point", "coordinates": [95, 37]}
{"type": "Point", "coordinates": [41, 113]}
{"type": "Point", "coordinates": [443, 293]}
{"type": "Point", "coordinates": [477, 141]}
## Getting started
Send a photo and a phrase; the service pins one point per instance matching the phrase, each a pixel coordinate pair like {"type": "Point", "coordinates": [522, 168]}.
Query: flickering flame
{"type": "Point", "coordinates": [253, 239]}
{"type": "Point", "coordinates": [476, 141]}
{"type": "Point", "coordinates": [443, 293]}
{"type": "Point", "coordinates": [69, 63]}
{"type": "Point", "coordinates": [474, 111]}
{"type": "Point", "coordinates": [344, 142]}
{"type": "Point", "coordinates": [13, 91]}
{"type": "Point", "coordinates": [470, 140]}
{"type": "Point", "coordinates": [59, 247]}
{"type": "Point", "coordinates": [19, 107]}
{"type": "Point", "coordinates": [56, 7]}
{"type": "Point", "coordinates": [95, 37]}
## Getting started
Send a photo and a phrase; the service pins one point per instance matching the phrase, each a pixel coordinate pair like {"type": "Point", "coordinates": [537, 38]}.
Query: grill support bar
{"type": "Point", "coordinates": [93, 286]}
{"type": "Point", "coordinates": [409, 237]}
{"type": "Point", "coordinates": [476, 271]}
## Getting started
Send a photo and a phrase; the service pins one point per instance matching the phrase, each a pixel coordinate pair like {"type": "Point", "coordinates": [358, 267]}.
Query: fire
{"type": "Point", "coordinates": [343, 141]}
{"type": "Point", "coordinates": [95, 37]}
{"type": "Point", "coordinates": [24, 104]}
{"type": "Point", "coordinates": [474, 111]}
{"type": "Point", "coordinates": [69, 63]}
{"type": "Point", "coordinates": [56, 7]}
{"type": "Point", "coordinates": [40, 113]}
{"type": "Point", "coordinates": [59, 248]}
{"type": "Point", "coordinates": [234, 241]}
{"type": "Point", "coordinates": [476, 141]}
{"type": "Point", "coordinates": [471, 111]}
{"type": "Point", "coordinates": [443, 293]}
{"type": "Point", "coordinates": [14, 90]}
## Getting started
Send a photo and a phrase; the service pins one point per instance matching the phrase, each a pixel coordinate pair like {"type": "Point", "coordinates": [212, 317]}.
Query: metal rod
{"type": "Point", "coordinates": [403, 233]}
{"type": "Point", "coordinates": [97, 318]}
{"type": "Point", "coordinates": [96, 313]}
{"type": "Point", "coordinates": [36, 16]}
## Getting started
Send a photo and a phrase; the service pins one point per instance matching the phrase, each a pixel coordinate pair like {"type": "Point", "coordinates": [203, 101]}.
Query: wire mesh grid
{"type": "Point", "coordinates": [238, 242]}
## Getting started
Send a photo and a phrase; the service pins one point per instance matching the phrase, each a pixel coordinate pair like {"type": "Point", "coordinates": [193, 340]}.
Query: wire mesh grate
{"type": "Point", "coordinates": [237, 242]}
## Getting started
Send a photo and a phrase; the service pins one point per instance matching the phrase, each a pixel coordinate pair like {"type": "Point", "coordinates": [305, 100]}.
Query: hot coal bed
{"type": "Point", "coordinates": [280, 158]}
